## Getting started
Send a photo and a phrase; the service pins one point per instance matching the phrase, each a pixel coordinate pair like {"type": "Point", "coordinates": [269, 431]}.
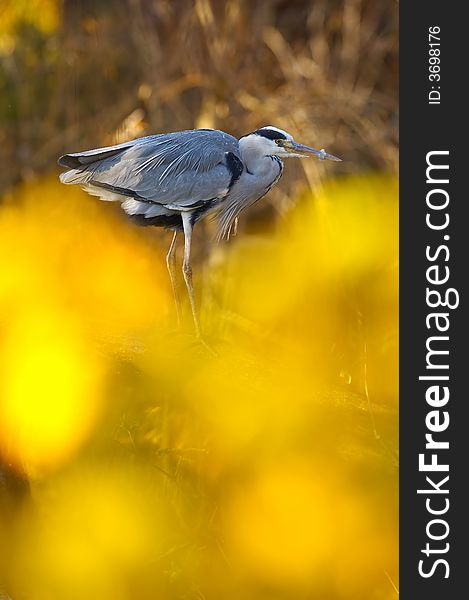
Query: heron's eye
{"type": "Point", "coordinates": [279, 142]}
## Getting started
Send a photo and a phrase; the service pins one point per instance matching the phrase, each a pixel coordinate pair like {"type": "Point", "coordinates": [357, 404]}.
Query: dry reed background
{"type": "Point", "coordinates": [134, 464]}
{"type": "Point", "coordinates": [325, 69]}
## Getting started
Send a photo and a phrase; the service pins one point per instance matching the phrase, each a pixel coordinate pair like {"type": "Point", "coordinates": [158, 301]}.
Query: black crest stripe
{"type": "Point", "coordinates": [270, 134]}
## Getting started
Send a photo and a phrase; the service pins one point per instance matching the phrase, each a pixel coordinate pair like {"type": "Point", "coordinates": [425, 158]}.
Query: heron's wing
{"type": "Point", "coordinates": [181, 170]}
{"type": "Point", "coordinates": [78, 160]}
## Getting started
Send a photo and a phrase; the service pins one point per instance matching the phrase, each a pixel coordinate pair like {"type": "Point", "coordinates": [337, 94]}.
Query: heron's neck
{"type": "Point", "coordinates": [259, 164]}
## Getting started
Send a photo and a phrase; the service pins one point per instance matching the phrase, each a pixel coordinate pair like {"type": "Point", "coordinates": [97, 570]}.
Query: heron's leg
{"type": "Point", "coordinates": [186, 266]}
{"type": "Point", "coordinates": [171, 264]}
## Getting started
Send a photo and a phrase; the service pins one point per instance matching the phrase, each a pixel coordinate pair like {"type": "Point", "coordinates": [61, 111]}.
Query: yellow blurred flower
{"type": "Point", "coordinates": [73, 288]}
{"type": "Point", "coordinates": [302, 523]}
{"type": "Point", "coordinates": [49, 389]}
{"type": "Point", "coordinates": [99, 530]}
{"type": "Point", "coordinates": [160, 469]}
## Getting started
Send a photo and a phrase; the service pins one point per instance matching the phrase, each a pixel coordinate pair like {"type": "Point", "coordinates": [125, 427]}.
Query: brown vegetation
{"type": "Point", "coordinates": [95, 72]}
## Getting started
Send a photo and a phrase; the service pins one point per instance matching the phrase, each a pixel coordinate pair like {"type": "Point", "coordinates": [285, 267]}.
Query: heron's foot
{"type": "Point", "coordinates": [188, 341]}
{"type": "Point", "coordinates": [207, 346]}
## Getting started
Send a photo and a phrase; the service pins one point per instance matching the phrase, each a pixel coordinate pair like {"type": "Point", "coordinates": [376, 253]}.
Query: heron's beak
{"type": "Point", "coordinates": [306, 150]}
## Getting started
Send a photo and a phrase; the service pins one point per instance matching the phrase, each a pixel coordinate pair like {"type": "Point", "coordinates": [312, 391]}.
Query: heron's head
{"type": "Point", "coordinates": [272, 141]}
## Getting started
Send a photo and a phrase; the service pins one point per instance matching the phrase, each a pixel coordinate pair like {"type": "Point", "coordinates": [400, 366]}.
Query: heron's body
{"type": "Point", "coordinates": [173, 180]}
{"type": "Point", "coordinates": [156, 178]}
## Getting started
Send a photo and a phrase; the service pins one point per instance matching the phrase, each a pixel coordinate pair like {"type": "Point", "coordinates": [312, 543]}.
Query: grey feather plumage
{"type": "Point", "coordinates": [176, 171]}
{"type": "Point", "coordinates": [159, 176]}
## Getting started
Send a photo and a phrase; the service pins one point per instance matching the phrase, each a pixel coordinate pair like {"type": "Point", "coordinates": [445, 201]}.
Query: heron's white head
{"type": "Point", "coordinates": [272, 141]}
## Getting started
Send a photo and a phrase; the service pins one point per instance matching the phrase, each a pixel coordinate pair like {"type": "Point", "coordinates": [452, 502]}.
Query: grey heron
{"type": "Point", "coordinates": [173, 180]}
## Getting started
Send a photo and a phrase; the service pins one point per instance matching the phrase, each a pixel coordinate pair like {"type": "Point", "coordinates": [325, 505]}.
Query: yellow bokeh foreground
{"type": "Point", "coordinates": [158, 469]}
{"type": "Point", "coordinates": [73, 287]}
{"type": "Point", "coordinates": [49, 389]}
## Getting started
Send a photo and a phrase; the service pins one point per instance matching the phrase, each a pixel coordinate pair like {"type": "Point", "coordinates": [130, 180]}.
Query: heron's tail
{"type": "Point", "coordinates": [76, 160]}
{"type": "Point", "coordinates": [74, 176]}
